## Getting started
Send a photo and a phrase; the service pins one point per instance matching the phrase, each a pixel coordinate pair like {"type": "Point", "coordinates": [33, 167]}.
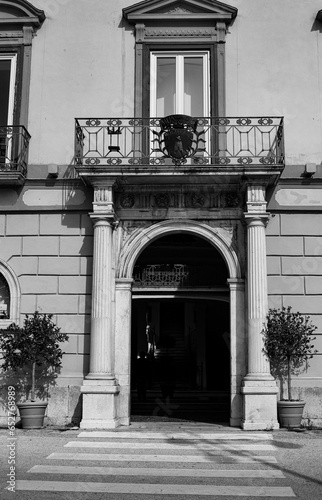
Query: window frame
{"type": "Point", "coordinates": [179, 57]}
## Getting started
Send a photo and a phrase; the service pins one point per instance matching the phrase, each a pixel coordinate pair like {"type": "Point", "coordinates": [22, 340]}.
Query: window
{"type": "Point", "coordinates": [8, 65]}
{"type": "Point", "coordinates": [7, 87]}
{"type": "Point", "coordinates": [179, 83]}
{"type": "Point", "coordinates": [19, 21]}
{"type": "Point", "coordinates": [180, 56]}
{"type": "Point", "coordinates": [9, 296]}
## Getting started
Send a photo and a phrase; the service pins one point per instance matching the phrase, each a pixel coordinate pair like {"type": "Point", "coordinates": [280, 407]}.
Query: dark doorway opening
{"type": "Point", "coordinates": [180, 332]}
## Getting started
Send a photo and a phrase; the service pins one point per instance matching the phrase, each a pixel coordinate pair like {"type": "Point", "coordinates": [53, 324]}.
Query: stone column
{"type": "Point", "coordinates": [259, 387]}
{"type": "Point", "coordinates": [123, 305]}
{"type": "Point", "coordinates": [101, 353]}
{"type": "Point", "coordinates": [237, 348]}
{"type": "Point", "coordinates": [99, 388]}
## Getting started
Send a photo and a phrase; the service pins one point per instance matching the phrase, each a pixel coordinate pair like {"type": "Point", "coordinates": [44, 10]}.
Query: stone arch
{"type": "Point", "coordinates": [14, 289]}
{"type": "Point", "coordinates": [141, 238]}
{"type": "Point", "coordinates": [133, 246]}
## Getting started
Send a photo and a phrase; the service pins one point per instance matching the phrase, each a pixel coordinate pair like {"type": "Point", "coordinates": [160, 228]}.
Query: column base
{"type": "Point", "coordinates": [260, 405]}
{"type": "Point", "coordinates": [99, 424]}
{"type": "Point", "coordinates": [99, 404]}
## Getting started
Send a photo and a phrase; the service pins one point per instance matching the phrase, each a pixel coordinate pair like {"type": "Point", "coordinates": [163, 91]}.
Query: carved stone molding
{"type": "Point", "coordinates": [232, 199]}
{"type": "Point", "coordinates": [103, 200]}
{"type": "Point", "coordinates": [178, 10]}
{"type": "Point", "coordinates": [198, 200]}
{"type": "Point", "coordinates": [162, 200]}
{"type": "Point", "coordinates": [127, 200]}
{"type": "Point", "coordinates": [180, 32]}
{"type": "Point", "coordinates": [174, 198]}
{"type": "Point", "coordinates": [256, 201]}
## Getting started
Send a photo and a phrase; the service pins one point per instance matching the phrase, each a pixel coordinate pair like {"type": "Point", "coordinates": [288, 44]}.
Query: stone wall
{"type": "Point", "coordinates": [294, 257]}
{"type": "Point", "coordinates": [50, 252]}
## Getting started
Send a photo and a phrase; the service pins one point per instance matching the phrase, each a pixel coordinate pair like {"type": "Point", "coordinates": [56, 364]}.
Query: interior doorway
{"type": "Point", "coordinates": [180, 340]}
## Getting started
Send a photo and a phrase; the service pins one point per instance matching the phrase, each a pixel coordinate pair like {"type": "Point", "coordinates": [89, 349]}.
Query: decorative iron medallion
{"type": "Point", "coordinates": [178, 138]}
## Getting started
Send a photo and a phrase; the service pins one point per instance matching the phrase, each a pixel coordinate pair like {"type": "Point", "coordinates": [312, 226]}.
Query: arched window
{"type": "Point", "coordinates": [4, 298]}
{"type": "Point", "coordinates": [9, 296]}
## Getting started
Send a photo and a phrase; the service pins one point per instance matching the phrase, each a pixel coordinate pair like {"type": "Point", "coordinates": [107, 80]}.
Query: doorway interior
{"type": "Point", "coordinates": [180, 348]}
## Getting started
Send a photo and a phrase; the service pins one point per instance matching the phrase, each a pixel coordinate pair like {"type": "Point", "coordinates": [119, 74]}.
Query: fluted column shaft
{"type": "Point", "coordinates": [258, 366]}
{"type": "Point", "coordinates": [101, 354]}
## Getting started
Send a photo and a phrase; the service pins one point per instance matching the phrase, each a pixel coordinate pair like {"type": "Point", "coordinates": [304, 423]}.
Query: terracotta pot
{"type": "Point", "coordinates": [290, 413]}
{"type": "Point", "coordinates": [32, 414]}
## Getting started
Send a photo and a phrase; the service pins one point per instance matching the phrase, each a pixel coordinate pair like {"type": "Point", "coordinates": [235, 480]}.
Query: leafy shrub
{"type": "Point", "coordinates": [288, 341]}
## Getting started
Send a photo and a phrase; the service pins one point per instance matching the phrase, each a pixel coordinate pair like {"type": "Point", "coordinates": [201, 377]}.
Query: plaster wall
{"type": "Point", "coordinates": [83, 66]}
{"type": "Point", "coordinates": [273, 56]}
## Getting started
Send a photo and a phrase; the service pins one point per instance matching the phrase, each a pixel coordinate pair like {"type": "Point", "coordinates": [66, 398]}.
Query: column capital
{"type": "Point", "coordinates": [103, 219]}
{"type": "Point", "coordinates": [123, 283]}
{"type": "Point", "coordinates": [256, 218]}
{"type": "Point", "coordinates": [236, 283]}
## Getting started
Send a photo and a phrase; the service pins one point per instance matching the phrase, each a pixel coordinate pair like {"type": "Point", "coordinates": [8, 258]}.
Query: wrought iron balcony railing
{"type": "Point", "coordinates": [179, 140]}
{"type": "Point", "coordinates": [14, 142]}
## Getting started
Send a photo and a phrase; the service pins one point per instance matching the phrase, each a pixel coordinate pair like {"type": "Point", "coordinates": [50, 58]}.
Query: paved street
{"type": "Point", "coordinates": [164, 460]}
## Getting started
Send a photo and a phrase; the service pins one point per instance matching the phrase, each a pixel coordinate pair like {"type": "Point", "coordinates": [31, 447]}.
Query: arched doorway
{"type": "Point", "coordinates": [133, 246]}
{"type": "Point", "coordinates": [180, 332]}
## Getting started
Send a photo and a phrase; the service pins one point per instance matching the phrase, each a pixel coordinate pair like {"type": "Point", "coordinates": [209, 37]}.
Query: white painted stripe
{"type": "Point", "coordinates": [161, 458]}
{"type": "Point", "coordinates": [176, 435]}
{"type": "Point", "coordinates": [137, 471]}
{"type": "Point", "coordinates": [155, 489]}
{"type": "Point", "coordinates": [170, 446]}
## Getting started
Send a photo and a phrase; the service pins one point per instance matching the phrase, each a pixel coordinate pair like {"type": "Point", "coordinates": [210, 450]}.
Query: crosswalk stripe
{"type": "Point", "coordinates": [170, 446]}
{"type": "Point", "coordinates": [112, 457]}
{"type": "Point", "coordinates": [175, 435]}
{"type": "Point", "coordinates": [155, 489]}
{"type": "Point", "coordinates": [136, 471]}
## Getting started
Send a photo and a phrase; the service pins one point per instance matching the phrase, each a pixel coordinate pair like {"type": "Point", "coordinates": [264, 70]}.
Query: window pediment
{"type": "Point", "coordinates": [20, 12]}
{"type": "Point", "coordinates": [180, 11]}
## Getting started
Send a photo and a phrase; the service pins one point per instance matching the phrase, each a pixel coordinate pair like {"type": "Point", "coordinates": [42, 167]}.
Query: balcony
{"type": "Point", "coordinates": [179, 144]}
{"type": "Point", "coordinates": [14, 142]}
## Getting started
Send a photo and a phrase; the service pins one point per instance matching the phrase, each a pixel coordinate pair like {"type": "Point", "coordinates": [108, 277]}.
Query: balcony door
{"type": "Point", "coordinates": [179, 83]}
{"type": "Point", "coordinates": [7, 86]}
{"type": "Point", "coordinates": [7, 90]}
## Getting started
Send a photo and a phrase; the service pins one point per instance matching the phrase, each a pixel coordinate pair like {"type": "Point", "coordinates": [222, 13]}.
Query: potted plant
{"type": "Point", "coordinates": [287, 339]}
{"type": "Point", "coordinates": [36, 348]}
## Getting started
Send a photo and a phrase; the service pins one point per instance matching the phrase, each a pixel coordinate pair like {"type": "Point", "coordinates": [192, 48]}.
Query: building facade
{"type": "Point", "coordinates": [161, 188]}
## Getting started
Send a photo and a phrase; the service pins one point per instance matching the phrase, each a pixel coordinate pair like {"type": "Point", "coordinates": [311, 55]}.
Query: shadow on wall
{"type": "Point", "coordinates": [64, 403]}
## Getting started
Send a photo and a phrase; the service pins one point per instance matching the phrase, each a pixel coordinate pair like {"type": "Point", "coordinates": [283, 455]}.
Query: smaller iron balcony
{"type": "Point", "coordinates": [14, 143]}
{"type": "Point", "coordinates": [179, 140]}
